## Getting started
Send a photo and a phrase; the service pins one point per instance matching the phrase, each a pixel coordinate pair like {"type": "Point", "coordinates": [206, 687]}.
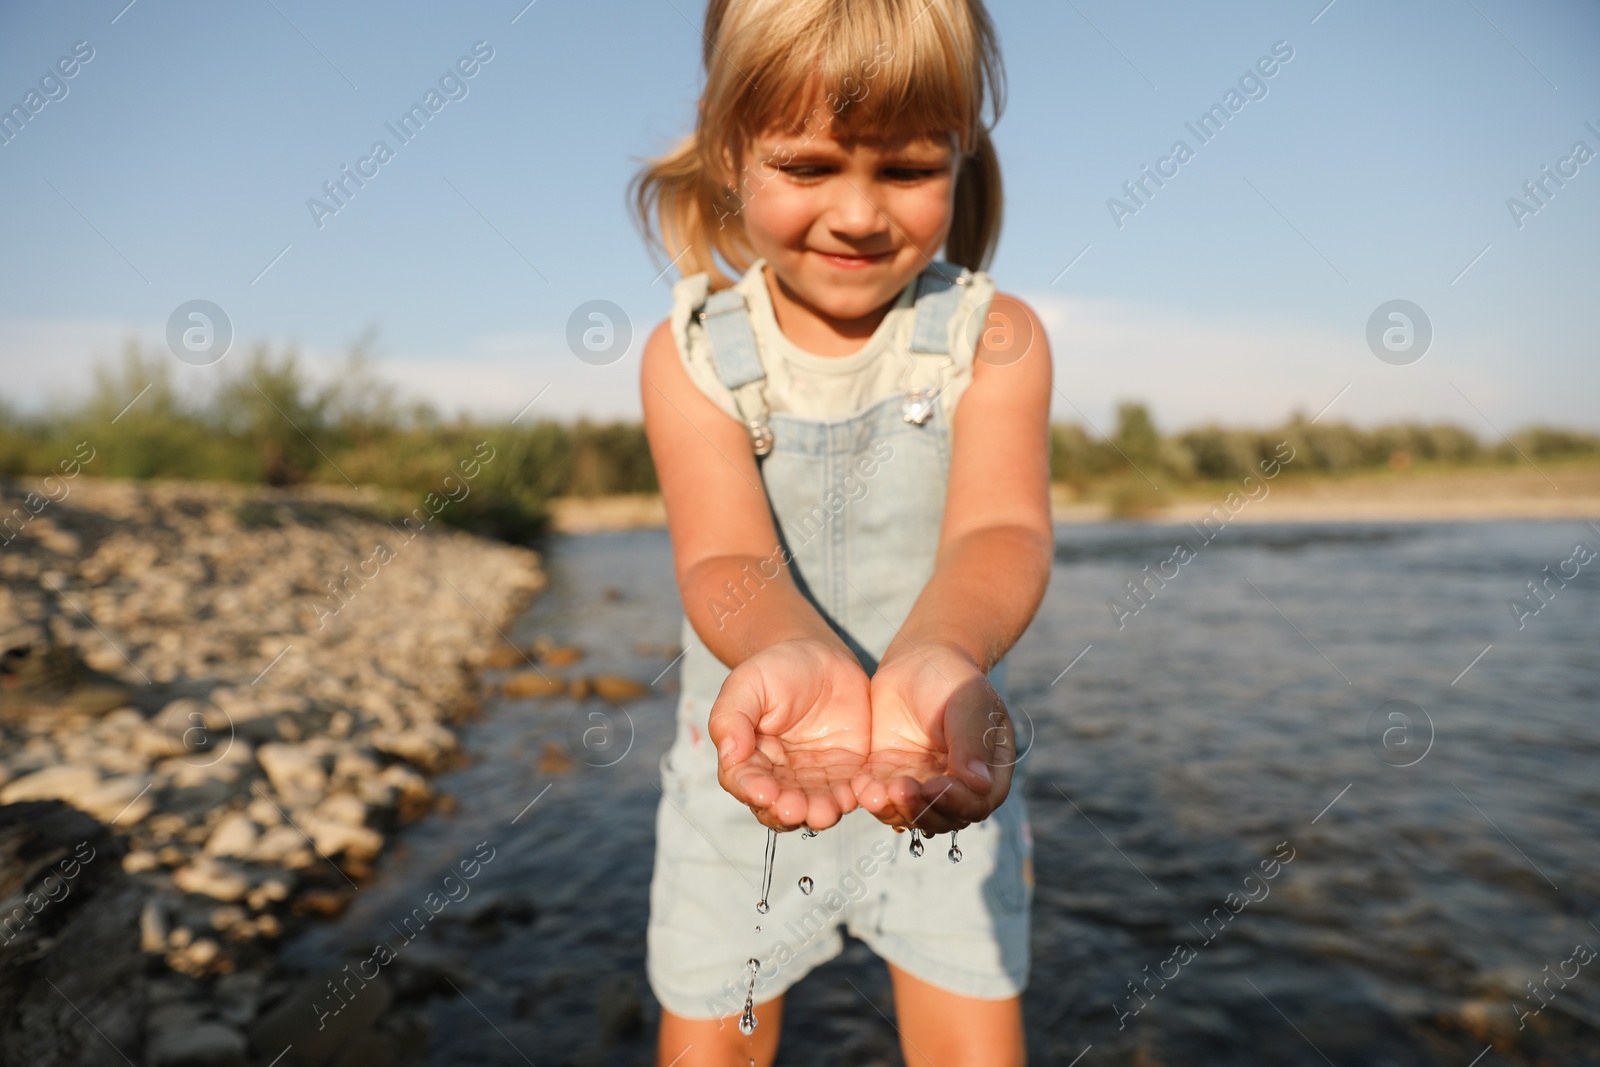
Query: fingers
{"type": "Point", "coordinates": [785, 796]}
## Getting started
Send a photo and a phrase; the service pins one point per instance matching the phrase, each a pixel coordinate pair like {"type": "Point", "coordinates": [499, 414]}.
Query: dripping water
{"type": "Point", "coordinates": [747, 1020]}
{"type": "Point", "coordinates": [805, 884]}
{"type": "Point", "coordinates": [955, 853]}
{"type": "Point", "coordinates": [808, 833]}
{"type": "Point", "coordinates": [916, 841]}
{"type": "Point", "coordinates": [766, 870]}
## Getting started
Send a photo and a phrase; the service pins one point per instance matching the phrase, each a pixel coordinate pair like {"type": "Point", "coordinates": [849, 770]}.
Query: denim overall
{"type": "Point", "coordinates": [858, 502]}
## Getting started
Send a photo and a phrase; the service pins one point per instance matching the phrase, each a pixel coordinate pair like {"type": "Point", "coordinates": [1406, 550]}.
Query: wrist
{"type": "Point", "coordinates": [933, 648]}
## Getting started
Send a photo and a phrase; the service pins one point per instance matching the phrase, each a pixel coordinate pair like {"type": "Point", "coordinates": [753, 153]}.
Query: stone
{"type": "Point", "coordinates": [370, 1050]}
{"type": "Point", "coordinates": [237, 997]}
{"type": "Point", "coordinates": [343, 808]}
{"type": "Point", "coordinates": [49, 677]}
{"type": "Point", "coordinates": [621, 1015]}
{"type": "Point", "coordinates": [200, 957]}
{"type": "Point", "coordinates": [83, 946]}
{"type": "Point", "coordinates": [140, 861]}
{"type": "Point", "coordinates": [123, 801]}
{"type": "Point", "coordinates": [264, 812]}
{"type": "Point", "coordinates": [202, 1044]}
{"type": "Point", "coordinates": [335, 838]}
{"type": "Point", "coordinates": [559, 655]}
{"type": "Point", "coordinates": [525, 684]}
{"type": "Point", "coordinates": [295, 773]}
{"type": "Point", "coordinates": [211, 878]}
{"type": "Point", "coordinates": [423, 745]}
{"type": "Point", "coordinates": [504, 657]}
{"type": "Point", "coordinates": [235, 835]}
{"type": "Point", "coordinates": [269, 892]}
{"type": "Point", "coordinates": [311, 1020]}
{"type": "Point", "coordinates": [555, 759]}
{"type": "Point", "coordinates": [329, 903]}
{"type": "Point", "coordinates": [153, 932]}
{"type": "Point", "coordinates": [276, 845]}
{"type": "Point", "coordinates": [228, 917]}
{"type": "Point", "coordinates": [67, 782]}
{"type": "Point", "coordinates": [615, 688]}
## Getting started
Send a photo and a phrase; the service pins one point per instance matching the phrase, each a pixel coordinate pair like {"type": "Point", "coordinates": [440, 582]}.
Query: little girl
{"type": "Point", "coordinates": [851, 440]}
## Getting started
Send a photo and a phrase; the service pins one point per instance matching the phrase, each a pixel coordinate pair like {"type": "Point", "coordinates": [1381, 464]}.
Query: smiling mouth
{"type": "Point", "coordinates": [855, 260]}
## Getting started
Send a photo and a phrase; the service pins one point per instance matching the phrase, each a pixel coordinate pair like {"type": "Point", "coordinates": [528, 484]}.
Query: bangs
{"type": "Point", "coordinates": [870, 69]}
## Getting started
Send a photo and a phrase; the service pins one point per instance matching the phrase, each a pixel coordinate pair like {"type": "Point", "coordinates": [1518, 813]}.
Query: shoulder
{"type": "Point", "coordinates": [660, 346]}
{"type": "Point", "coordinates": [676, 350]}
{"type": "Point", "coordinates": [1012, 312]}
{"type": "Point", "coordinates": [1012, 339]}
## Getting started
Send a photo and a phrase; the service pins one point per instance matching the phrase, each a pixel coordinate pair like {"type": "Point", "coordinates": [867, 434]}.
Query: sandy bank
{"type": "Point", "coordinates": [1476, 494]}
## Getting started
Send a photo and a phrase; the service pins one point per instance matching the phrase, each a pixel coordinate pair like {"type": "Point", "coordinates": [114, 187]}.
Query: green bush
{"type": "Point", "coordinates": [265, 422]}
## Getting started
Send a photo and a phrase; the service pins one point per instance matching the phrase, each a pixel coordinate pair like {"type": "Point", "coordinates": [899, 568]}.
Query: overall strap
{"type": "Point", "coordinates": [733, 349]}
{"type": "Point", "coordinates": [940, 291]}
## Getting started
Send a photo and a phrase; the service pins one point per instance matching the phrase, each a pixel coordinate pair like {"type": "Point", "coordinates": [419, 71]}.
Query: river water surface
{"type": "Point", "coordinates": [1314, 703]}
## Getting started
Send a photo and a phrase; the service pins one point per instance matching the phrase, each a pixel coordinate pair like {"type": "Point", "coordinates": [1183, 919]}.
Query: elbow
{"type": "Point", "coordinates": [1030, 543]}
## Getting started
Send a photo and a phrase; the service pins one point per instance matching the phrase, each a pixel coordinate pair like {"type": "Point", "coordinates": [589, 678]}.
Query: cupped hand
{"type": "Point", "coordinates": [942, 747]}
{"type": "Point", "coordinates": [792, 729]}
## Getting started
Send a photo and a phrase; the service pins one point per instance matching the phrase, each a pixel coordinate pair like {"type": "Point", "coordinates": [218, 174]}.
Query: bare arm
{"type": "Point", "coordinates": [996, 543]}
{"type": "Point", "coordinates": [942, 744]}
{"type": "Point", "coordinates": [792, 721]}
{"type": "Point", "coordinates": [718, 517]}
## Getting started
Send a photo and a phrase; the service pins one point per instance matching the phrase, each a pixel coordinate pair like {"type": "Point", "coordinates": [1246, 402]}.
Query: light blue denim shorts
{"type": "Point", "coordinates": [960, 926]}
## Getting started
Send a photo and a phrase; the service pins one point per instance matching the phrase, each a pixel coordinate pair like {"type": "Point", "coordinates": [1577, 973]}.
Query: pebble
{"type": "Point", "coordinates": [200, 1044]}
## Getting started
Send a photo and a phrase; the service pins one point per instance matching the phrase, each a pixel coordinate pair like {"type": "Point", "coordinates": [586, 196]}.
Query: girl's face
{"type": "Point", "coordinates": [847, 225]}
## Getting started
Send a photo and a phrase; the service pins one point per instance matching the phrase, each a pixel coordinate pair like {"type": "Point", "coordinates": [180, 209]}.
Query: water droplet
{"type": "Point", "coordinates": [955, 853]}
{"type": "Point", "coordinates": [916, 842]}
{"type": "Point", "coordinates": [766, 870]}
{"type": "Point", "coordinates": [758, 928]}
{"type": "Point", "coordinates": [805, 884]}
{"type": "Point", "coordinates": [808, 833]}
{"type": "Point", "coordinates": [747, 1021]}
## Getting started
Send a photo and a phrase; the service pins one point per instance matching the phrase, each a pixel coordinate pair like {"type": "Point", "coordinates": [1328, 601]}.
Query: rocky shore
{"type": "Point", "coordinates": [247, 690]}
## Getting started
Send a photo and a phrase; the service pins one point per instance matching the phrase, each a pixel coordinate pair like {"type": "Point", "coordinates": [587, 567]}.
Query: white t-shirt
{"type": "Point", "coordinates": [810, 386]}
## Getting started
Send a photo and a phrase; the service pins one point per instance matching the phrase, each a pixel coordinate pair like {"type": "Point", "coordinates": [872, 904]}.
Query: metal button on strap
{"type": "Point", "coordinates": [760, 437]}
{"type": "Point", "coordinates": [918, 405]}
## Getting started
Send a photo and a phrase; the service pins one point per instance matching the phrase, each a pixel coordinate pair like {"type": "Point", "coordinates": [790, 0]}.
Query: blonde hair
{"type": "Point", "coordinates": [766, 64]}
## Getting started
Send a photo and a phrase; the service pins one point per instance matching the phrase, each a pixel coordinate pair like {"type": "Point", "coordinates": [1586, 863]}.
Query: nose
{"type": "Point", "coordinates": [852, 214]}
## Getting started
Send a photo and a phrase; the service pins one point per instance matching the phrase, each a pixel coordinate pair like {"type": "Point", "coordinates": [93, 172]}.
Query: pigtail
{"type": "Point", "coordinates": [975, 226]}
{"type": "Point", "coordinates": [694, 212]}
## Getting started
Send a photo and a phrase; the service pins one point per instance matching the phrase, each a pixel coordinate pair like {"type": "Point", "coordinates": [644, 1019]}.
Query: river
{"type": "Point", "coordinates": [1319, 800]}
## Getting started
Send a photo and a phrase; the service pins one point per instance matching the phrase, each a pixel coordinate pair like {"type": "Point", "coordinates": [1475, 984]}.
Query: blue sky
{"type": "Point", "coordinates": [1378, 166]}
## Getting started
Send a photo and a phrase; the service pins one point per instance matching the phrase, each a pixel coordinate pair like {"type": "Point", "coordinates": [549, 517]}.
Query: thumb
{"type": "Point", "coordinates": [733, 718]}
{"type": "Point", "coordinates": [982, 742]}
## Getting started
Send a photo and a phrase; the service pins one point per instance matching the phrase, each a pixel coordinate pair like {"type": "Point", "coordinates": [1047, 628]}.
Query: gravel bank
{"type": "Point", "coordinates": [250, 687]}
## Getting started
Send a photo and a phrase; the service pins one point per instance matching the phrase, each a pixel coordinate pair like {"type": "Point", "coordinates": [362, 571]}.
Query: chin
{"type": "Point", "coordinates": [846, 295]}
{"type": "Point", "coordinates": [843, 300]}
